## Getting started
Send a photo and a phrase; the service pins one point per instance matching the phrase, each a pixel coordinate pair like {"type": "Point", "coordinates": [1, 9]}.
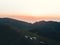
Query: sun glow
{"type": "Point", "coordinates": [30, 10]}
{"type": "Point", "coordinates": [32, 7]}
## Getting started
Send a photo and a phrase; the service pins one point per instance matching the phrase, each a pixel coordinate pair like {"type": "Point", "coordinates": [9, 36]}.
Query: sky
{"type": "Point", "coordinates": [30, 10]}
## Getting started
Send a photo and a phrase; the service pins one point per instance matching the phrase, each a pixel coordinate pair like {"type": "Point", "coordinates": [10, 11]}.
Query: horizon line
{"type": "Point", "coordinates": [30, 22]}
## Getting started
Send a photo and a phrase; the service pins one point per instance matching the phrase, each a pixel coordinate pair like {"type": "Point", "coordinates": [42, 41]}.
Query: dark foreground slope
{"type": "Point", "coordinates": [12, 36]}
{"type": "Point", "coordinates": [49, 29]}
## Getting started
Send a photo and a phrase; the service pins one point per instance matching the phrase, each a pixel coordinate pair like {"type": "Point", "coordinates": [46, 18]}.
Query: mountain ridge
{"type": "Point", "coordinates": [47, 29]}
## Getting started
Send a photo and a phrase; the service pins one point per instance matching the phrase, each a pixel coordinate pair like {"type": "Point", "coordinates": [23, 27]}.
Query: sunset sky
{"type": "Point", "coordinates": [30, 10]}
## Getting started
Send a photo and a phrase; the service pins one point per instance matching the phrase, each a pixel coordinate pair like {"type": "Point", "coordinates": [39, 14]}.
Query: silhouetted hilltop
{"type": "Point", "coordinates": [15, 23]}
{"type": "Point", "coordinates": [50, 29]}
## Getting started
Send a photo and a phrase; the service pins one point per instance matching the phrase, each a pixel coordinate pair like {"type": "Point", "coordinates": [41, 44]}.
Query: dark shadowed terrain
{"type": "Point", "coordinates": [14, 32]}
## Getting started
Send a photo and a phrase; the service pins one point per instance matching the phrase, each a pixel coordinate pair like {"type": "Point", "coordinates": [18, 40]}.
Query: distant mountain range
{"type": "Point", "coordinates": [46, 29]}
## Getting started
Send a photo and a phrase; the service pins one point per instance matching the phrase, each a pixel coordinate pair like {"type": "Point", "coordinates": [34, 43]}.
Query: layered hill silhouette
{"type": "Point", "coordinates": [15, 23]}
{"type": "Point", "coordinates": [14, 32]}
{"type": "Point", "coordinates": [48, 29]}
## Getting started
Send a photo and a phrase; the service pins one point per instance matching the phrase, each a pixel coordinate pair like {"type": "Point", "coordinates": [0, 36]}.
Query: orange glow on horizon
{"type": "Point", "coordinates": [30, 10]}
{"type": "Point", "coordinates": [32, 19]}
